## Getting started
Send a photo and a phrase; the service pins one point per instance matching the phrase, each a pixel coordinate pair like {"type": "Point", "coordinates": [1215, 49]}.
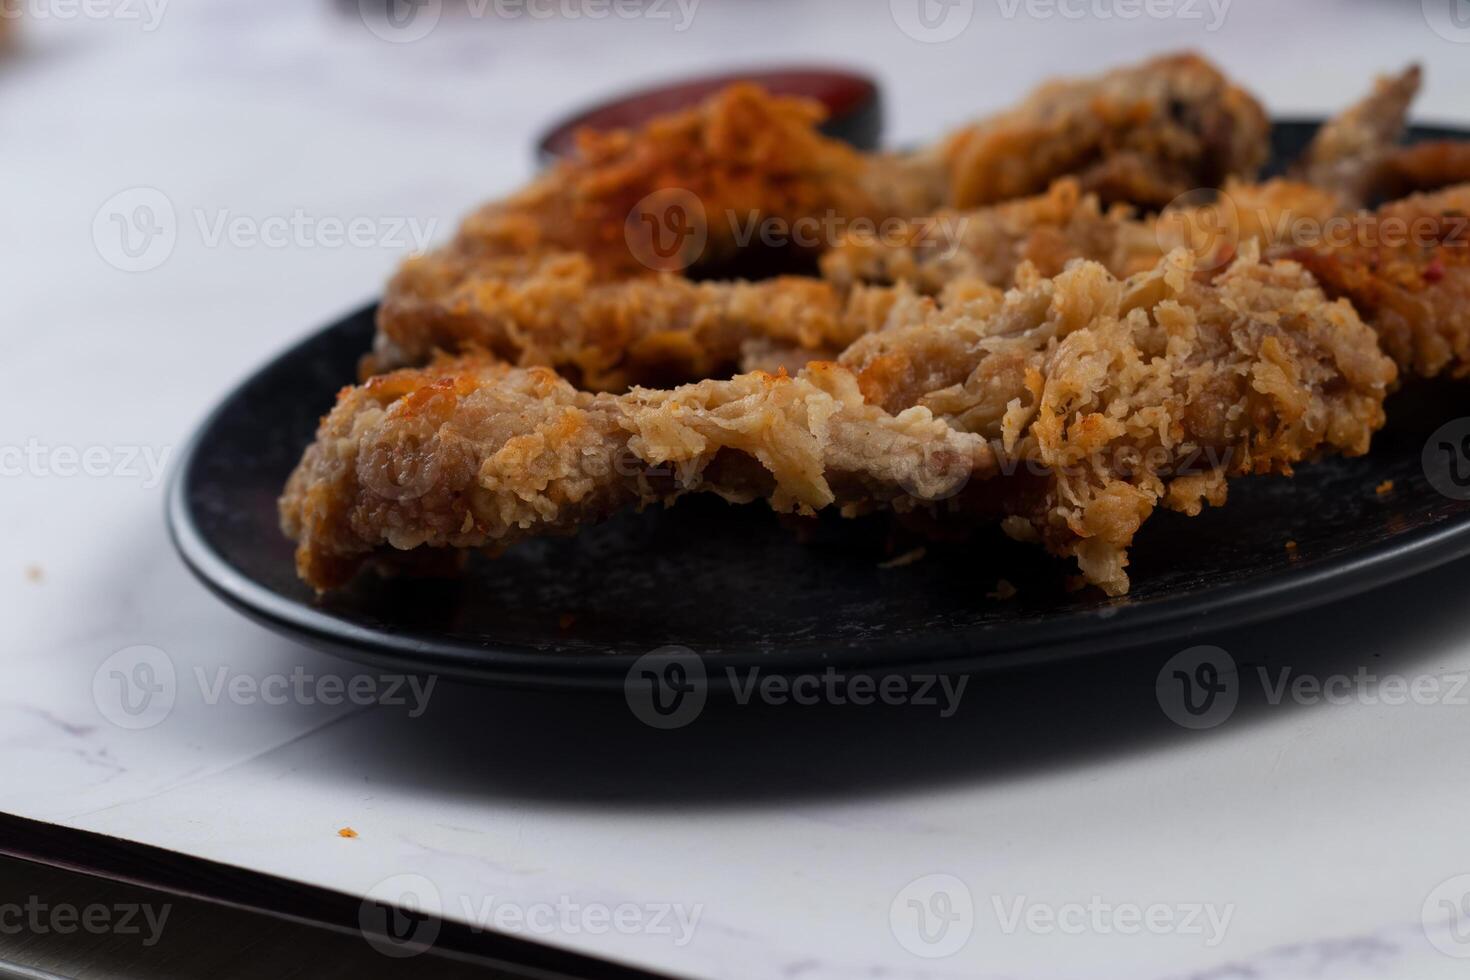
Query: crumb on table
{"type": "Point", "coordinates": [1291, 548]}
{"type": "Point", "coordinates": [347, 832]}
{"type": "Point", "coordinates": [34, 573]}
{"type": "Point", "coordinates": [1003, 590]}
{"type": "Point", "coordinates": [1384, 488]}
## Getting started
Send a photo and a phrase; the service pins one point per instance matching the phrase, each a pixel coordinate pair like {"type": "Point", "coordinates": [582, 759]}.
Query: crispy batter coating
{"type": "Point", "coordinates": [1346, 154]}
{"type": "Point", "coordinates": [562, 273]}
{"type": "Point", "coordinates": [1403, 267]}
{"type": "Point", "coordinates": [1269, 214]}
{"type": "Point", "coordinates": [1139, 393]}
{"type": "Point", "coordinates": [1352, 157]}
{"type": "Point", "coordinates": [989, 244]}
{"type": "Point", "coordinates": [1071, 407]}
{"type": "Point", "coordinates": [1143, 135]}
{"type": "Point", "coordinates": [555, 311]}
{"type": "Point", "coordinates": [1406, 267]}
{"type": "Point", "coordinates": [1428, 166]}
{"type": "Point", "coordinates": [1159, 128]}
{"type": "Point", "coordinates": [566, 272]}
{"type": "Point", "coordinates": [742, 152]}
{"type": "Point", "coordinates": [474, 453]}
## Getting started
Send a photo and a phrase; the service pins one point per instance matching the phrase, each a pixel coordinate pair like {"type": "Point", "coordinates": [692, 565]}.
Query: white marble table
{"type": "Point", "coordinates": [1317, 833]}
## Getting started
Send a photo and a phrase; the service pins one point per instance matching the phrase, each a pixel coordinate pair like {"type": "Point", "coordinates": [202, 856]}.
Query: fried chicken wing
{"type": "Point", "coordinates": [1406, 267]}
{"type": "Point", "coordinates": [475, 453]}
{"type": "Point", "coordinates": [1069, 407]}
{"type": "Point", "coordinates": [1428, 166]}
{"type": "Point", "coordinates": [1347, 153]}
{"type": "Point", "coordinates": [1142, 135]}
{"type": "Point", "coordinates": [989, 244]}
{"type": "Point", "coordinates": [554, 310]}
{"type": "Point", "coordinates": [1139, 393]}
{"type": "Point", "coordinates": [1162, 127]}
{"type": "Point", "coordinates": [687, 192]}
{"type": "Point", "coordinates": [1350, 159]}
{"type": "Point", "coordinates": [576, 271]}
{"type": "Point", "coordinates": [605, 336]}
{"type": "Point", "coordinates": [742, 152]}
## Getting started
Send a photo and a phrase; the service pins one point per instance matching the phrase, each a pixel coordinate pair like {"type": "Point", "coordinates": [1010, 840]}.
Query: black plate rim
{"type": "Point", "coordinates": [1113, 628]}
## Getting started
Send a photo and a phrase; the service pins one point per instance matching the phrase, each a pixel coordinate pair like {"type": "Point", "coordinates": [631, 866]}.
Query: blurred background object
{"type": "Point", "coordinates": [852, 100]}
{"type": "Point", "coordinates": [9, 23]}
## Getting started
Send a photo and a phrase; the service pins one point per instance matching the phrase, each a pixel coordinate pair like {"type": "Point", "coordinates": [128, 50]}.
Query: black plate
{"type": "Point", "coordinates": [737, 587]}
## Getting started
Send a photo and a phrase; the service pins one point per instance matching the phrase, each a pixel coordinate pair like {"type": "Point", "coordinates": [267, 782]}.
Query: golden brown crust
{"type": "Point", "coordinates": [989, 244]}
{"type": "Point", "coordinates": [1139, 393]}
{"type": "Point", "coordinates": [1131, 394]}
{"type": "Point", "coordinates": [685, 192]}
{"type": "Point", "coordinates": [742, 152]}
{"type": "Point", "coordinates": [1076, 404]}
{"type": "Point", "coordinates": [1162, 127]}
{"type": "Point", "coordinates": [1406, 267]}
{"type": "Point", "coordinates": [554, 309]}
{"type": "Point", "coordinates": [604, 336]}
{"type": "Point", "coordinates": [567, 272]}
{"type": "Point", "coordinates": [474, 453]}
{"type": "Point", "coordinates": [1348, 152]}
{"type": "Point", "coordinates": [1423, 167]}
{"type": "Point", "coordinates": [1269, 214]}
{"type": "Point", "coordinates": [1403, 267]}
{"type": "Point", "coordinates": [1063, 225]}
{"type": "Point", "coordinates": [1143, 135]}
